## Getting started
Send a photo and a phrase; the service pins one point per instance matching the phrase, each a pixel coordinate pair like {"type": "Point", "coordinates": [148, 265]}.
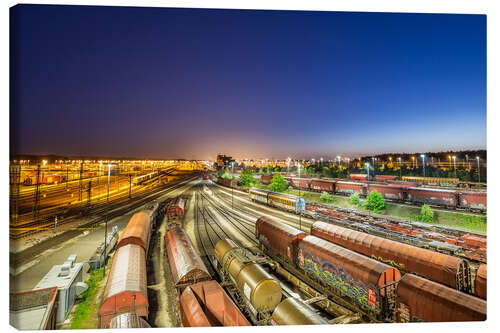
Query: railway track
{"type": "Point", "coordinates": [20, 258]}
{"type": "Point", "coordinates": [66, 215]}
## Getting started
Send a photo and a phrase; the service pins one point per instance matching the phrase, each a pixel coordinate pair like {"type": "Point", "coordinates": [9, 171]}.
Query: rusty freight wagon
{"type": "Point", "coordinates": [448, 270]}
{"type": "Point", "coordinates": [175, 208]}
{"type": "Point", "coordinates": [472, 200]}
{"type": "Point", "coordinates": [480, 285]}
{"type": "Point", "coordinates": [301, 183]}
{"type": "Point", "coordinates": [358, 176]}
{"type": "Point", "coordinates": [321, 185]}
{"type": "Point", "coordinates": [368, 283]}
{"type": "Point", "coordinates": [128, 320]}
{"type": "Point", "coordinates": [206, 304]}
{"type": "Point", "coordinates": [349, 188]}
{"type": "Point", "coordinates": [227, 182]}
{"type": "Point", "coordinates": [392, 192]}
{"type": "Point", "coordinates": [433, 196]}
{"type": "Point", "coordinates": [266, 179]}
{"type": "Point", "coordinates": [185, 263]}
{"type": "Point", "coordinates": [419, 299]}
{"type": "Point", "coordinates": [278, 238]}
{"type": "Point", "coordinates": [383, 178]}
{"type": "Point", "coordinates": [126, 287]}
{"type": "Point", "coordinates": [137, 231]}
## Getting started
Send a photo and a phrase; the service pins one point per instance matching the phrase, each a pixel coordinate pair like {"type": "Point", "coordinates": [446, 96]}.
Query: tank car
{"type": "Point", "coordinates": [259, 288]}
{"type": "Point", "coordinates": [292, 311]}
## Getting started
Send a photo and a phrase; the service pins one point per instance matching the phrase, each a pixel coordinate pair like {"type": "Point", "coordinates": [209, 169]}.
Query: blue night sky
{"type": "Point", "coordinates": [189, 83]}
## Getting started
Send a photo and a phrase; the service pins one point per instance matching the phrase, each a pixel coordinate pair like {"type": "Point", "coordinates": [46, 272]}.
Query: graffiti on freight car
{"type": "Point", "coordinates": [401, 267]}
{"type": "Point", "coordinates": [340, 280]}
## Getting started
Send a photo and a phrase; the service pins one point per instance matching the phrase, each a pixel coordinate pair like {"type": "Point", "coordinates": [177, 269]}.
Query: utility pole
{"type": "Point", "coordinates": [67, 177]}
{"type": "Point", "coordinates": [89, 194]}
{"type": "Point", "coordinates": [106, 223]}
{"type": "Point", "coordinates": [400, 170]}
{"type": "Point", "coordinates": [36, 205]}
{"type": "Point", "coordinates": [130, 186]}
{"type": "Point", "coordinates": [80, 189]}
{"type": "Point", "coordinates": [478, 170]}
{"type": "Point", "coordinates": [15, 177]}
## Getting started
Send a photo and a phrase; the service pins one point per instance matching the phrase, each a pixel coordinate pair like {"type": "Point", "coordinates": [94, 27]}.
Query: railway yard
{"type": "Point", "coordinates": [199, 251]}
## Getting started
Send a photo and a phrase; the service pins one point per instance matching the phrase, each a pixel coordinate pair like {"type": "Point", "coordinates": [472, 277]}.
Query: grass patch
{"type": "Point", "coordinates": [86, 312]}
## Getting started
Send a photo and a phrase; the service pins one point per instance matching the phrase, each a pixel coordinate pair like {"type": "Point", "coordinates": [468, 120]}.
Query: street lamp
{"type": "Point", "coordinates": [300, 214]}
{"type": "Point", "coordinates": [478, 170]}
{"type": "Point", "coordinates": [106, 222]}
{"type": "Point", "coordinates": [374, 166]}
{"type": "Point", "coordinates": [367, 165]}
{"type": "Point", "coordinates": [232, 189]}
{"type": "Point", "coordinates": [455, 165]}
{"type": "Point", "coordinates": [400, 170]}
{"type": "Point", "coordinates": [423, 163]}
{"type": "Point", "coordinates": [288, 166]}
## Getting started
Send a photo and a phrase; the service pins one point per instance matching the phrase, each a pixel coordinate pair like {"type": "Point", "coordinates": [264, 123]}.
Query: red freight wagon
{"type": "Point", "coordinates": [266, 179]}
{"type": "Point", "coordinates": [206, 304]}
{"type": "Point", "coordinates": [473, 200]}
{"type": "Point", "coordinates": [350, 188]}
{"type": "Point", "coordinates": [358, 176]}
{"type": "Point", "coordinates": [439, 267]}
{"type": "Point", "coordinates": [475, 240]}
{"type": "Point", "coordinates": [175, 208]}
{"type": "Point", "coordinates": [323, 185]}
{"type": "Point", "coordinates": [227, 182]}
{"type": "Point", "coordinates": [419, 299]}
{"type": "Point", "coordinates": [281, 239]}
{"type": "Point", "coordinates": [383, 178]}
{"type": "Point", "coordinates": [302, 183]}
{"type": "Point", "coordinates": [185, 263]}
{"type": "Point", "coordinates": [481, 281]}
{"type": "Point", "coordinates": [137, 231]}
{"type": "Point", "coordinates": [433, 196]}
{"type": "Point", "coordinates": [403, 183]}
{"type": "Point", "coordinates": [393, 192]}
{"type": "Point", "coordinates": [126, 288]}
{"type": "Point", "coordinates": [366, 282]}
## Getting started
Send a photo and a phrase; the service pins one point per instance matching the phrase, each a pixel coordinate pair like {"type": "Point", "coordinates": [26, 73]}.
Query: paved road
{"type": "Point", "coordinates": [83, 245]}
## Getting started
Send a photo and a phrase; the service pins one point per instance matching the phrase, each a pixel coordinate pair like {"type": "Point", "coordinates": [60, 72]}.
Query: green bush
{"type": "Point", "coordinates": [375, 202]}
{"type": "Point", "coordinates": [426, 214]}
{"type": "Point", "coordinates": [278, 183]}
{"type": "Point", "coordinates": [247, 179]}
{"type": "Point", "coordinates": [326, 197]}
{"type": "Point", "coordinates": [354, 198]}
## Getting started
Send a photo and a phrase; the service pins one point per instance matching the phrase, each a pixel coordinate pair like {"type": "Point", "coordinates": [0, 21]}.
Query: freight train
{"type": "Point", "coordinates": [202, 301]}
{"type": "Point", "coordinates": [126, 286]}
{"type": "Point", "coordinates": [377, 288]}
{"type": "Point", "coordinates": [398, 191]}
{"type": "Point", "coordinates": [260, 293]}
